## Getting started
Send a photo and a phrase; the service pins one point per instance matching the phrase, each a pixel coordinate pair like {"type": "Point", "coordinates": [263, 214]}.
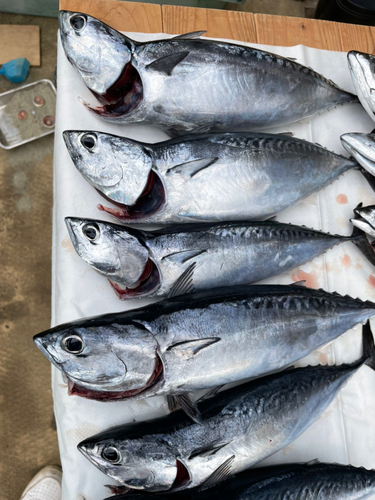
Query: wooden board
{"type": "Point", "coordinates": [218, 23]}
{"type": "Point", "coordinates": [19, 41]}
{"type": "Point", "coordinates": [122, 16]}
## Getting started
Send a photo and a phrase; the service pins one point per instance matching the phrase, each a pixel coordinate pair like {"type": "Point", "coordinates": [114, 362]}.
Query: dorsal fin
{"type": "Point", "coordinates": [299, 283]}
{"type": "Point", "coordinates": [168, 63]}
{"type": "Point", "coordinates": [190, 36]}
{"type": "Point", "coordinates": [191, 168]}
{"type": "Point", "coordinates": [184, 284]}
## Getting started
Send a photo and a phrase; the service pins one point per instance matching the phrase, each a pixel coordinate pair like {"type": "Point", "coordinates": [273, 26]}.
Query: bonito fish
{"type": "Point", "coordinates": [149, 263]}
{"type": "Point", "coordinates": [184, 82]}
{"type": "Point", "coordinates": [240, 427]}
{"type": "Point", "coordinates": [362, 148]}
{"type": "Point", "coordinates": [203, 178]}
{"type": "Point", "coordinates": [312, 480]}
{"type": "Point", "coordinates": [197, 341]}
{"type": "Point", "coordinates": [362, 70]}
{"type": "Point", "coordinates": [365, 219]}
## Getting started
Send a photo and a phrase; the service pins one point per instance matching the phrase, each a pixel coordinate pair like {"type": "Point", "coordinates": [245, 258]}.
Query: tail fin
{"type": "Point", "coordinates": [359, 238]}
{"type": "Point", "coordinates": [368, 345]}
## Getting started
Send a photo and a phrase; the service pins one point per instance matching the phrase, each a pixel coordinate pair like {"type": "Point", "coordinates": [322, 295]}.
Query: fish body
{"type": "Point", "coordinates": [365, 219]}
{"type": "Point", "coordinates": [201, 340]}
{"type": "Point", "coordinates": [203, 178]}
{"type": "Point", "coordinates": [149, 263]}
{"type": "Point", "coordinates": [239, 428]}
{"type": "Point", "coordinates": [184, 82]}
{"type": "Point", "coordinates": [362, 148]}
{"type": "Point", "coordinates": [362, 70]}
{"type": "Point", "coordinates": [289, 481]}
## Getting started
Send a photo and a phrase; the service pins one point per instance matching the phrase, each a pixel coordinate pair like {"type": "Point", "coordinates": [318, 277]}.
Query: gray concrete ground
{"type": "Point", "coordinates": [27, 429]}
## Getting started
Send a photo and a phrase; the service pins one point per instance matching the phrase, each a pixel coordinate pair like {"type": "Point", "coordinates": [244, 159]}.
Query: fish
{"type": "Point", "coordinates": [362, 148]}
{"type": "Point", "coordinates": [362, 71]}
{"type": "Point", "coordinates": [287, 481]}
{"type": "Point", "coordinates": [200, 340]}
{"type": "Point", "coordinates": [184, 83]}
{"type": "Point", "coordinates": [149, 263]}
{"type": "Point", "coordinates": [202, 177]}
{"type": "Point", "coordinates": [239, 428]}
{"type": "Point", "coordinates": [365, 219]}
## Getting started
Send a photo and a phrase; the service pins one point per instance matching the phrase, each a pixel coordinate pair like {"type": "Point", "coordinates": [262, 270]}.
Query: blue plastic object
{"type": "Point", "coordinates": [16, 70]}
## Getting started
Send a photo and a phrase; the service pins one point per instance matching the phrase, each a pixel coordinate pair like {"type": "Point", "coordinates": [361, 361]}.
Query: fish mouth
{"type": "Point", "coordinates": [157, 377]}
{"type": "Point", "coordinates": [148, 282]}
{"type": "Point", "coordinates": [149, 202]}
{"type": "Point", "coordinates": [122, 98]}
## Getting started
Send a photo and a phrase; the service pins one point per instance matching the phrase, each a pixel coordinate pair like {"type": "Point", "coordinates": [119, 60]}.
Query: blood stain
{"type": "Point", "coordinates": [345, 261]}
{"type": "Point", "coordinates": [311, 280]}
{"type": "Point", "coordinates": [371, 280]}
{"type": "Point", "coordinates": [342, 199]}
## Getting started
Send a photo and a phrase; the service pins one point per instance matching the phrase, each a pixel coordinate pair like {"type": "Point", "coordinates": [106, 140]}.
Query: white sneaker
{"type": "Point", "coordinates": [46, 485]}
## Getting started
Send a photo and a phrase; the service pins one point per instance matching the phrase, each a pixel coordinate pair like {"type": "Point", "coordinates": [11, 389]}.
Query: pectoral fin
{"type": "Point", "coordinates": [219, 475]}
{"type": "Point", "coordinates": [184, 402]}
{"type": "Point", "coordinates": [184, 256]}
{"type": "Point", "coordinates": [206, 451]}
{"type": "Point", "coordinates": [191, 168]}
{"type": "Point", "coordinates": [190, 348]}
{"type": "Point", "coordinates": [168, 63]}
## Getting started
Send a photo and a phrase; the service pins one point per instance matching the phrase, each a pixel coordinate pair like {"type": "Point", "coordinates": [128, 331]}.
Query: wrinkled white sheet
{"type": "Point", "coordinates": [346, 431]}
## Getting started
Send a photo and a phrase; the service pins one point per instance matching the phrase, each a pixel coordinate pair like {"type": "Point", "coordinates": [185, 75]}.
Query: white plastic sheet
{"type": "Point", "coordinates": [346, 431]}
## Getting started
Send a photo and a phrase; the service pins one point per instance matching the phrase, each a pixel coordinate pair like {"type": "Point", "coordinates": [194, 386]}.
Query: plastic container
{"type": "Point", "coordinates": [27, 113]}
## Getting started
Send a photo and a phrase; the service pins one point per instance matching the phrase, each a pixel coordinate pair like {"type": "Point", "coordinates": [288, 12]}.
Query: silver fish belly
{"type": "Point", "coordinates": [184, 82]}
{"type": "Point", "coordinates": [150, 263]}
{"type": "Point", "coordinates": [197, 341]}
{"type": "Point", "coordinates": [207, 178]}
{"type": "Point", "coordinates": [240, 427]}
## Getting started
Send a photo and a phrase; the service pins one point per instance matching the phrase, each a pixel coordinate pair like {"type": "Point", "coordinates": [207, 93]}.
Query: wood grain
{"type": "Point", "coordinates": [20, 41]}
{"type": "Point", "coordinates": [355, 37]}
{"type": "Point", "coordinates": [218, 23]}
{"type": "Point", "coordinates": [122, 16]}
{"type": "Point", "coordinates": [279, 30]}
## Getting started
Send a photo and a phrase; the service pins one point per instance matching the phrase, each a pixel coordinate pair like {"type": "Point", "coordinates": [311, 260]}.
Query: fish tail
{"type": "Point", "coordinates": [368, 345]}
{"type": "Point", "coordinates": [359, 239]}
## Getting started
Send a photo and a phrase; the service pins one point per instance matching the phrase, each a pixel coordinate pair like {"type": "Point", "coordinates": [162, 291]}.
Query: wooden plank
{"type": "Point", "coordinates": [355, 37]}
{"type": "Point", "coordinates": [218, 23]}
{"type": "Point", "coordinates": [279, 30]}
{"type": "Point", "coordinates": [19, 41]}
{"type": "Point", "coordinates": [122, 16]}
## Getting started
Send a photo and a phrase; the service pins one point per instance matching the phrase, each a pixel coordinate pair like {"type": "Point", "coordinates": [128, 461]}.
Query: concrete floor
{"type": "Point", "coordinates": [27, 429]}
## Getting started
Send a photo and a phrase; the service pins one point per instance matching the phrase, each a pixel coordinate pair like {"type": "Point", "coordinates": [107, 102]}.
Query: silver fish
{"type": "Point", "coordinates": [362, 70]}
{"type": "Point", "coordinates": [362, 148]}
{"type": "Point", "coordinates": [365, 219]}
{"type": "Point", "coordinates": [197, 341]}
{"type": "Point", "coordinates": [240, 427]}
{"type": "Point", "coordinates": [184, 82]}
{"type": "Point", "coordinates": [312, 480]}
{"type": "Point", "coordinates": [149, 263]}
{"type": "Point", "coordinates": [203, 178]}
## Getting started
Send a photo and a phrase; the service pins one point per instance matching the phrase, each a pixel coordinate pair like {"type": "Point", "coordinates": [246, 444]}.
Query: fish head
{"type": "Point", "coordinates": [109, 358]}
{"type": "Point", "coordinates": [117, 167]}
{"type": "Point", "coordinates": [362, 70]}
{"type": "Point", "coordinates": [113, 251]}
{"type": "Point", "coordinates": [365, 219]}
{"type": "Point", "coordinates": [362, 148]}
{"type": "Point", "coordinates": [143, 463]}
{"type": "Point", "coordinates": [98, 52]}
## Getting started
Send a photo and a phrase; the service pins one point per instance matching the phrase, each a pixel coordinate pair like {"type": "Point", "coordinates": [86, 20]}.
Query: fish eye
{"type": "Point", "coordinates": [88, 141]}
{"type": "Point", "coordinates": [78, 22]}
{"type": "Point", "coordinates": [91, 231]}
{"type": "Point", "coordinates": [111, 454]}
{"type": "Point", "coordinates": [73, 344]}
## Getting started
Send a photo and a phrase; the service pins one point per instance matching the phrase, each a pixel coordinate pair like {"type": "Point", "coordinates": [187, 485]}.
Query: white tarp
{"type": "Point", "coordinates": [346, 431]}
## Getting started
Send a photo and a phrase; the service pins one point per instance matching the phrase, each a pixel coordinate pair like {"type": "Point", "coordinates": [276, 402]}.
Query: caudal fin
{"type": "Point", "coordinates": [359, 238]}
{"type": "Point", "coordinates": [368, 345]}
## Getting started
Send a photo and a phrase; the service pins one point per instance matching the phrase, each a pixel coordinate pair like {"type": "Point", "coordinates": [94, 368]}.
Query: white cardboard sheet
{"type": "Point", "coordinates": [346, 431]}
